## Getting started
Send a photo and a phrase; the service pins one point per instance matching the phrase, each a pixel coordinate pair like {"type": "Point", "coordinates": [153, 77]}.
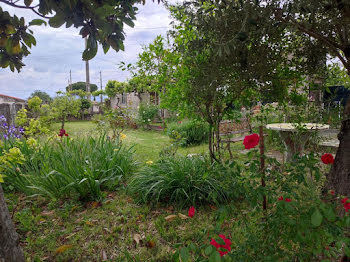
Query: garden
{"type": "Point", "coordinates": [225, 152]}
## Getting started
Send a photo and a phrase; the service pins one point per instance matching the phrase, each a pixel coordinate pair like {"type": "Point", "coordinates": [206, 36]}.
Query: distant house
{"type": "Point", "coordinates": [133, 100]}
{"type": "Point", "coordinates": [9, 106]}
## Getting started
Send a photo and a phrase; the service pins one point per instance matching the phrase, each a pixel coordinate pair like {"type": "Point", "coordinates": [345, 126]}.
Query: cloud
{"type": "Point", "coordinates": [59, 50]}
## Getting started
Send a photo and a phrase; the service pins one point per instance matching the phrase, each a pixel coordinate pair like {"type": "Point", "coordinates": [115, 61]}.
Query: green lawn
{"type": "Point", "coordinates": [147, 144]}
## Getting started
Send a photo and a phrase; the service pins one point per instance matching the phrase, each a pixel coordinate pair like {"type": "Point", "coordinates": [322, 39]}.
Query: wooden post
{"type": "Point", "coordinates": [262, 162]}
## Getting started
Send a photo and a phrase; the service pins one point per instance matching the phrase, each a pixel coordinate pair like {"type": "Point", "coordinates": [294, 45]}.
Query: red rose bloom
{"type": "Point", "coordinates": [327, 159]}
{"type": "Point", "coordinates": [288, 200]}
{"type": "Point", "coordinates": [251, 141]}
{"type": "Point", "coordinates": [280, 198]}
{"type": "Point", "coordinates": [222, 249]}
{"type": "Point", "coordinates": [347, 207]}
{"type": "Point", "coordinates": [332, 192]}
{"type": "Point", "coordinates": [191, 211]}
{"type": "Point", "coordinates": [344, 200]}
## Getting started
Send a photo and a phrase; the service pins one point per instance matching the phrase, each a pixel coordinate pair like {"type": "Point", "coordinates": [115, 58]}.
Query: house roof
{"type": "Point", "coordinates": [15, 98]}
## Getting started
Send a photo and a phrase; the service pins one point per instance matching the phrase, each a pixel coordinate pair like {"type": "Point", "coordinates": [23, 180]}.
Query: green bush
{"type": "Point", "coordinates": [191, 132]}
{"type": "Point", "coordinates": [183, 181]}
{"type": "Point", "coordinates": [147, 113]}
{"type": "Point", "coordinates": [79, 168]}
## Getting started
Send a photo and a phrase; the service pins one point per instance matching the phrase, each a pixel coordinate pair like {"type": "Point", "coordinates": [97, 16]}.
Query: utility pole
{"type": "Point", "coordinates": [70, 77]}
{"type": "Point", "coordinates": [87, 74]}
{"type": "Point", "coordinates": [101, 85]}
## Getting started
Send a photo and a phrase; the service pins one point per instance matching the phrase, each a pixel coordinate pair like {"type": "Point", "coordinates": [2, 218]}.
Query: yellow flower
{"type": "Point", "coordinates": [122, 136]}
{"type": "Point", "coordinates": [149, 162]}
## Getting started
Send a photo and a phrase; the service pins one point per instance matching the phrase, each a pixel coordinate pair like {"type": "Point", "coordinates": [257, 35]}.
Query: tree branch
{"type": "Point", "coordinates": [24, 7]}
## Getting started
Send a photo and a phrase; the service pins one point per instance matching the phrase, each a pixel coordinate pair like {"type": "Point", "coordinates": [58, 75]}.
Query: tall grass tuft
{"type": "Point", "coordinates": [191, 132]}
{"type": "Point", "coordinates": [74, 168]}
{"type": "Point", "coordinates": [182, 181]}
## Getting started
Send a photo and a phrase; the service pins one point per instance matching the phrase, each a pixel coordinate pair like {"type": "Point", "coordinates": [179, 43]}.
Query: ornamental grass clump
{"type": "Point", "coordinates": [191, 132]}
{"type": "Point", "coordinates": [183, 181]}
{"type": "Point", "coordinates": [72, 168]}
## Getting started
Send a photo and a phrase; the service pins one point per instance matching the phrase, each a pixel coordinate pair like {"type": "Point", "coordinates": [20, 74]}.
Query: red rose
{"type": "Point", "coordinates": [344, 200]}
{"type": "Point", "coordinates": [347, 207]}
{"type": "Point", "coordinates": [288, 200]}
{"type": "Point", "coordinates": [251, 141]}
{"type": "Point", "coordinates": [222, 249]}
{"type": "Point", "coordinates": [191, 211]}
{"type": "Point", "coordinates": [280, 198]}
{"type": "Point", "coordinates": [332, 192]}
{"type": "Point", "coordinates": [327, 159]}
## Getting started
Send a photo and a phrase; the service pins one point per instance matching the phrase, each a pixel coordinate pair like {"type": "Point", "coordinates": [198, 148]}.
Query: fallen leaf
{"type": "Point", "coordinates": [70, 235]}
{"type": "Point", "coordinates": [104, 255]}
{"type": "Point", "coordinates": [94, 204]}
{"type": "Point", "coordinates": [213, 207]}
{"type": "Point", "coordinates": [170, 208]}
{"type": "Point", "coordinates": [89, 223]}
{"type": "Point", "coordinates": [137, 238]}
{"type": "Point", "coordinates": [170, 218]}
{"type": "Point", "coordinates": [63, 248]}
{"type": "Point", "coordinates": [182, 216]}
{"type": "Point", "coordinates": [48, 213]}
{"type": "Point", "coordinates": [150, 244]}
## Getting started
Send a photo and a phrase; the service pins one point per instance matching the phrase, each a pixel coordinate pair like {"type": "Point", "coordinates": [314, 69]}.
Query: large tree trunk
{"type": "Point", "coordinates": [10, 251]}
{"type": "Point", "coordinates": [339, 177]}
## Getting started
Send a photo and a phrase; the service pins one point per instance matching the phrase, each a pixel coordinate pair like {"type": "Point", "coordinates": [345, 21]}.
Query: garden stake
{"type": "Point", "coordinates": [262, 162]}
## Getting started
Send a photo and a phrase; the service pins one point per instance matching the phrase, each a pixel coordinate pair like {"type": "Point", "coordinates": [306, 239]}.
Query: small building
{"type": "Point", "coordinates": [132, 101]}
{"type": "Point", "coordinates": [9, 106]}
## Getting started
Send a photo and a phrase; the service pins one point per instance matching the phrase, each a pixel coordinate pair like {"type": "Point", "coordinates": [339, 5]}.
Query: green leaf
{"type": "Point", "coordinates": [347, 251]}
{"type": "Point", "coordinates": [329, 213]}
{"type": "Point", "coordinates": [208, 250]}
{"type": "Point", "coordinates": [28, 2]}
{"type": "Point", "coordinates": [184, 254]}
{"type": "Point", "coordinates": [316, 218]}
{"type": "Point", "coordinates": [28, 39]}
{"type": "Point", "coordinates": [129, 22]}
{"type": "Point", "coordinates": [105, 11]}
{"type": "Point", "coordinates": [57, 21]}
{"type": "Point", "coordinates": [88, 54]}
{"type": "Point", "coordinates": [215, 257]}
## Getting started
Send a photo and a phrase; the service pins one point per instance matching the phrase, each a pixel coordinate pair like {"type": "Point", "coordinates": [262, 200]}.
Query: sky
{"type": "Point", "coordinates": [60, 50]}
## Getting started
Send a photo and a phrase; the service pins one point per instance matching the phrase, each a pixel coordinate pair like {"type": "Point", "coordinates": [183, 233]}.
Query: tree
{"type": "Point", "coordinates": [45, 97]}
{"type": "Point", "coordinates": [9, 240]}
{"type": "Point", "coordinates": [81, 86]}
{"type": "Point", "coordinates": [226, 56]}
{"type": "Point", "coordinates": [327, 24]}
{"type": "Point", "coordinates": [153, 71]}
{"type": "Point", "coordinates": [115, 87]}
{"type": "Point", "coordinates": [64, 106]}
{"type": "Point", "coordinates": [100, 22]}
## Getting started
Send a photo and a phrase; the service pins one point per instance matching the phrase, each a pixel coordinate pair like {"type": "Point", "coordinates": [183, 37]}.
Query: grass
{"type": "Point", "coordinates": [67, 231]}
{"type": "Point", "coordinates": [148, 144]}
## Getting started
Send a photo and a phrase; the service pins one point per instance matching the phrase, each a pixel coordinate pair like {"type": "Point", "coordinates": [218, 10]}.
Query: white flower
{"type": "Point", "coordinates": [177, 114]}
{"type": "Point", "coordinates": [149, 120]}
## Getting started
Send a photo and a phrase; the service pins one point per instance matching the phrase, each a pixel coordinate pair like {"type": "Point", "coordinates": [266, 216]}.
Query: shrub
{"type": "Point", "coordinates": [191, 132]}
{"type": "Point", "coordinates": [183, 181]}
{"type": "Point", "coordinates": [71, 168]}
{"type": "Point", "coordinates": [147, 113]}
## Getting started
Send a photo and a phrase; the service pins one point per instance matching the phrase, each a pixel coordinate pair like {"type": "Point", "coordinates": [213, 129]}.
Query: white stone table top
{"type": "Point", "coordinates": [292, 127]}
